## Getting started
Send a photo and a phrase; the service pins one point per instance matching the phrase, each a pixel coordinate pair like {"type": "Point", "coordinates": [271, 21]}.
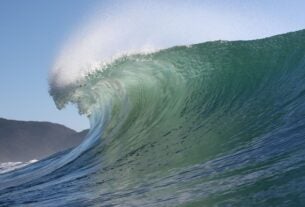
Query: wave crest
{"type": "Point", "coordinates": [135, 27]}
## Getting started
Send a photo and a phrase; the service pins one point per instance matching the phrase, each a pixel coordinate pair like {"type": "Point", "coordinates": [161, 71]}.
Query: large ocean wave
{"type": "Point", "coordinates": [213, 124]}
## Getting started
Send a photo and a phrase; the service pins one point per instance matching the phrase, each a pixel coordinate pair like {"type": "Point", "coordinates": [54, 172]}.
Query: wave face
{"type": "Point", "coordinates": [213, 124]}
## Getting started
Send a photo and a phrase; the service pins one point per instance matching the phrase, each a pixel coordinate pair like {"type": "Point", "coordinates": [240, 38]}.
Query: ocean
{"type": "Point", "coordinates": [219, 123]}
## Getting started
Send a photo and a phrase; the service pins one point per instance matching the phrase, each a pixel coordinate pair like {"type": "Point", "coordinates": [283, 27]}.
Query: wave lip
{"type": "Point", "coordinates": [135, 27]}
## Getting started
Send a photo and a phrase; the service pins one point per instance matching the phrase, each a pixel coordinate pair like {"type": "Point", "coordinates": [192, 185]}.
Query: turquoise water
{"type": "Point", "coordinates": [213, 124]}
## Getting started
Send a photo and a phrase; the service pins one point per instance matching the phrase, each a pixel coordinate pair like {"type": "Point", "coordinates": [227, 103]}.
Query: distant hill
{"type": "Point", "coordinates": [27, 140]}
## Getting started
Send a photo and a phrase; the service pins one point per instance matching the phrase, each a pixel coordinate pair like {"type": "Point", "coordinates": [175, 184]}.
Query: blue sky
{"type": "Point", "coordinates": [33, 31]}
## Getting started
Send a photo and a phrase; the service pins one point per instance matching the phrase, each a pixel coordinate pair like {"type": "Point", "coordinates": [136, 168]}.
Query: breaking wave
{"type": "Point", "coordinates": [210, 124]}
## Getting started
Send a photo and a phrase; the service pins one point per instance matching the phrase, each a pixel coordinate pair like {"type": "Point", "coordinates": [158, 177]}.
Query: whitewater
{"type": "Point", "coordinates": [219, 123]}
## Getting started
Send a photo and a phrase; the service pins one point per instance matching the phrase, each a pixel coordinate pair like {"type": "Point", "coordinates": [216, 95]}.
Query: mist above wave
{"type": "Point", "coordinates": [144, 26]}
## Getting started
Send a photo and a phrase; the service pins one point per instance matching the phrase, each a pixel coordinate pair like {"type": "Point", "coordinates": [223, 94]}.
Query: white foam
{"type": "Point", "coordinates": [9, 166]}
{"type": "Point", "coordinates": [145, 26]}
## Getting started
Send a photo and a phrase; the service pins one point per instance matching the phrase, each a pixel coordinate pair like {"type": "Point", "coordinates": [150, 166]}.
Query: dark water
{"type": "Point", "coordinates": [213, 124]}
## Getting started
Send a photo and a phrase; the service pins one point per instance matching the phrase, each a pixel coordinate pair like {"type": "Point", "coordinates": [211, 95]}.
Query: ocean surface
{"type": "Point", "coordinates": [213, 124]}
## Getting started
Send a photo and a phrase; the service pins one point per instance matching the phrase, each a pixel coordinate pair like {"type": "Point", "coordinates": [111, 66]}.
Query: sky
{"type": "Point", "coordinates": [33, 32]}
